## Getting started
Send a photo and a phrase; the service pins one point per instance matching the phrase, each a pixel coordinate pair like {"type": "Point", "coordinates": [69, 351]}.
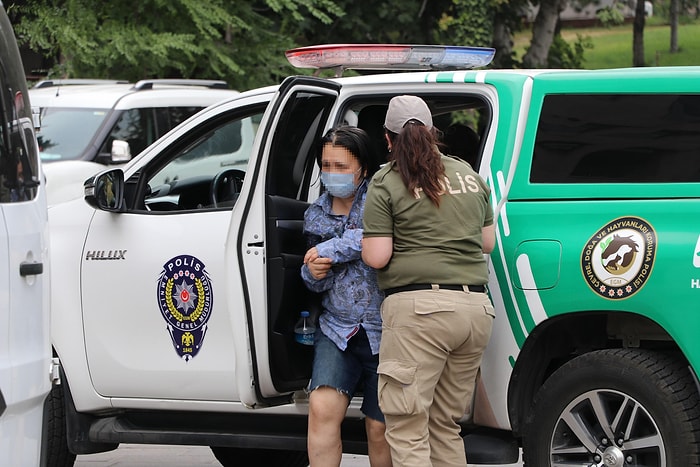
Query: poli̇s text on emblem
{"type": "Point", "coordinates": [185, 301]}
{"type": "Point", "coordinates": [617, 261]}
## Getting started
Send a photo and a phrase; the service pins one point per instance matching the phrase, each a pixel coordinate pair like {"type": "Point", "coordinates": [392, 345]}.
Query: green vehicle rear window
{"type": "Point", "coordinates": [618, 138]}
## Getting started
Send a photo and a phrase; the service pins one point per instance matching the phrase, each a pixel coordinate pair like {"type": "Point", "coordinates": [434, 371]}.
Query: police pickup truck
{"type": "Point", "coordinates": [178, 284]}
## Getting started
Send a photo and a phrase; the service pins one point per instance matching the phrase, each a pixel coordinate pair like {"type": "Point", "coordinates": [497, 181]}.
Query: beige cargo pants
{"type": "Point", "coordinates": [431, 348]}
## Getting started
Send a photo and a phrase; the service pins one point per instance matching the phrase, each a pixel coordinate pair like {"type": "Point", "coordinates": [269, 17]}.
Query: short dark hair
{"type": "Point", "coordinates": [356, 141]}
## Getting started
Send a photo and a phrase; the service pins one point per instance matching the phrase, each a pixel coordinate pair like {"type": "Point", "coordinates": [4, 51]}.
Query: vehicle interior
{"type": "Point", "coordinates": [205, 171]}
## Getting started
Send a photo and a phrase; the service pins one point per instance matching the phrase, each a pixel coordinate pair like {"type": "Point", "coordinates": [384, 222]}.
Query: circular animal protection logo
{"type": "Point", "coordinates": [185, 301]}
{"type": "Point", "coordinates": [618, 259]}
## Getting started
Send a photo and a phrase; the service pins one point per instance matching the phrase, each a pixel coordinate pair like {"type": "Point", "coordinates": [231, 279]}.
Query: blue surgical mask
{"type": "Point", "coordinates": [340, 185]}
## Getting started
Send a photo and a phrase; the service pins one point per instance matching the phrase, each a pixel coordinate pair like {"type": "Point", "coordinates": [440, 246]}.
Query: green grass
{"type": "Point", "coordinates": [612, 47]}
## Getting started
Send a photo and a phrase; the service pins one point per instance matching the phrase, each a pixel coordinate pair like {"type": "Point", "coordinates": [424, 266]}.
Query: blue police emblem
{"type": "Point", "coordinates": [185, 301]}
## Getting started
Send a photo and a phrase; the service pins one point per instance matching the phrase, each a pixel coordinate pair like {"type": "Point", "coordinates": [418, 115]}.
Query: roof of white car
{"type": "Point", "coordinates": [128, 96]}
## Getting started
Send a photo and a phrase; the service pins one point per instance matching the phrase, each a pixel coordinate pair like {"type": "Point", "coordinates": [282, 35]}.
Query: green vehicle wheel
{"type": "Point", "coordinates": [615, 408]}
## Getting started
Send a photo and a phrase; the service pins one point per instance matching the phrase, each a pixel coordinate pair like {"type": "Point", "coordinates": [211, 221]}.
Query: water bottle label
{"type": "Point", "coordinates": [305, 339]}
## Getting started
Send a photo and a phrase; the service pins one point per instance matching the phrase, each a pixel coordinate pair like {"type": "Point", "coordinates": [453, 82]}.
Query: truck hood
{"type": "Point", "coordinates": [64, 179]}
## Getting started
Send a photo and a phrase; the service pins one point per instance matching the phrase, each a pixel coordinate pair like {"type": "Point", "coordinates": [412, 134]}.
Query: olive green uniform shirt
{"type": "Point", "coordinates": [431, 245]}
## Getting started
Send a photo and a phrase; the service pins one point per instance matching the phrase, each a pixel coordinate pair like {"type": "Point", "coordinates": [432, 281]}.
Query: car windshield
{"type": "Point", "coordinates": [66, 132]}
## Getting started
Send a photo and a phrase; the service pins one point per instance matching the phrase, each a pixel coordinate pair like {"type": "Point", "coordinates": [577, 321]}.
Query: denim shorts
{"type": "Point", "coordinates": [348, 371]}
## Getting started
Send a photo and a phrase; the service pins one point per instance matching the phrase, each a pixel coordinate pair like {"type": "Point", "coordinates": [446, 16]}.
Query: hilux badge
{"type": "Point", "coordinates": [617, 260]}
{"type": "Point", "coordinates": [185, 301]}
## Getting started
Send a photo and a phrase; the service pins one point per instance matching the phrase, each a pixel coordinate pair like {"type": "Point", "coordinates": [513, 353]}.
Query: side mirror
{"type": "Point", "coordinates": [36, 118]}
{"type": "Point", "coordinates": [121, 151]}
{"type": "Point", "coordinates": [105, 191]}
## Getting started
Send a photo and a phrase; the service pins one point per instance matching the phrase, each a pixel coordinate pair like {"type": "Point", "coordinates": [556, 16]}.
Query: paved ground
{"type": "Point", "coordinates": [130, 455]}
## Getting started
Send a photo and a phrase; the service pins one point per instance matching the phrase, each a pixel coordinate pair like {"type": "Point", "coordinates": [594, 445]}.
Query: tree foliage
{"type": "Point", "coordinates": [386, 21]}
{"type": "Point", "coordinates": [468, 22]}
{"type": "Point", "coordinates": [242, 42]}
{"type": "Point", "coordinates": [563, 54]}
{"type": "Point", "coordinates": [459, 22]}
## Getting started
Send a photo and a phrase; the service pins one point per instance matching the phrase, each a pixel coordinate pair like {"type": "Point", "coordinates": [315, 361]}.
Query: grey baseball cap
{"type": "Point", "coordinates": [405, 108]}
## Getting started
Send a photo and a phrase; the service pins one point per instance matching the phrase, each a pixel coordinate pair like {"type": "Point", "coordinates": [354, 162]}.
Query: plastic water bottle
{"type": "Point", "coordinates": [304, 330]}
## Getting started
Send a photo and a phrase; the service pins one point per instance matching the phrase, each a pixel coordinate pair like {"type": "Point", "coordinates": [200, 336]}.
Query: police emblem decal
{"type": "Point", "coordinates": [617, 261]}
{"type": "Point", "coordinates": [185, 300]}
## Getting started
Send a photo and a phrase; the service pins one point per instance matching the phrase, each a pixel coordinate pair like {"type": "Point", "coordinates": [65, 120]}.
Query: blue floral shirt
{"type": "Point", "coordinates": [352, 297]}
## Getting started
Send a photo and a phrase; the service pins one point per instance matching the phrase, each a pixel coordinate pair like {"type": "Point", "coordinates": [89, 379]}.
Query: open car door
{"type": "Point", "coordinates": [271, 241]}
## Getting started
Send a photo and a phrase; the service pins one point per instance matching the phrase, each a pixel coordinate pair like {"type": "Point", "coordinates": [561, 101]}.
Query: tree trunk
{"type": "Point", "coordinates": [503, 43]}
{"type": "Point", "coordinates": [638, 35]}
{"type": "Point", "coordinates": [543, 33]}
{"type": "Point", "coordinates": [674, 26]}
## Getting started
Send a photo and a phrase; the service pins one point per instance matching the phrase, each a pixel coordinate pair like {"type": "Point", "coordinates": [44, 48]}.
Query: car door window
{"type": "Point", "coordinates": [208, 172]}
{"type": "Point", "coordinates": [135, 126]}
{"type": "Point", "coordinates": [168, 118]}
{"type": "Point", "coordinates": [142, 127]}
{"type": "Point", "coordinates": [295, 143]}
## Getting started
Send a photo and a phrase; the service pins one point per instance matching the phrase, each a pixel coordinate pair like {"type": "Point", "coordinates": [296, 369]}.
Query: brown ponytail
{"type": "Point", "coordinates": [417, 159]}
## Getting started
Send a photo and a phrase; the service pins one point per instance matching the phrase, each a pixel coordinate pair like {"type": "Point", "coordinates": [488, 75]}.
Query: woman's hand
{"type": "Point", "coordinates": [311, 255]}
{"type": "Point", "coordinates": [318, 266]}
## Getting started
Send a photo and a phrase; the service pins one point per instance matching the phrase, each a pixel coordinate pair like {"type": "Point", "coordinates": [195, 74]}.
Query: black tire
{"type": "Point", "coordinates": [240, 457]}
{"type": "Point", "coordinates": [55, 442]}
{"type": "Point", "coordinates": [615, 407]}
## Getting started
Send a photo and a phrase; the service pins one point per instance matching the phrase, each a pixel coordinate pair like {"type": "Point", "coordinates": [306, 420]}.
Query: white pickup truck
{"type": "Point", "coordinates": [176, 280]}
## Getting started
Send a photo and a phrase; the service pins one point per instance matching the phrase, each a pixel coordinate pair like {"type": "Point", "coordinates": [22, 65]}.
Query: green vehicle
{"type": "Point", "coordinates": [595, 182]}
{"type": "Point", "coordinates": [597, 265]}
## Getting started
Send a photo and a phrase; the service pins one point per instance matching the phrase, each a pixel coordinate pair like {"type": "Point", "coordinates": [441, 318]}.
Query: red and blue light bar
{"type": "Point", "coordinates": [390, 57]}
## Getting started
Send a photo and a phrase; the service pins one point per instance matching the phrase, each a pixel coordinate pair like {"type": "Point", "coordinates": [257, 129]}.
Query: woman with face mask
{"type": "Point", "coordinates": [346, 344]}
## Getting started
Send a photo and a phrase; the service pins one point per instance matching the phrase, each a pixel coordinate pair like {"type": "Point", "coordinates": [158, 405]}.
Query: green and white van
{"type": "Point", "coordinates": [595, 277]}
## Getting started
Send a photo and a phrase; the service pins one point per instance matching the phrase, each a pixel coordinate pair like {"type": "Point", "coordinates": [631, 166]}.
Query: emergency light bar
{"type": "Point", "coordinates": [390, 57]}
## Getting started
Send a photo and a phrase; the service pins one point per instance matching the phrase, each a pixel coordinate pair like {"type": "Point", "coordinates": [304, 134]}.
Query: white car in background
{"type": "Point", "coordinates": [87, 124]}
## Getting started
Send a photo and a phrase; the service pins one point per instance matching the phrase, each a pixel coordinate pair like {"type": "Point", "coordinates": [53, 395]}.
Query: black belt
{"type": "Point", "coordinates": [411, 287]}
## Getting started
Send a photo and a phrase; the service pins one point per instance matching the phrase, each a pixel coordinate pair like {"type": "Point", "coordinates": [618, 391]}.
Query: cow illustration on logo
{"type": "Point", "coordinates": [185, 301]}
{"type": "Point", "coordinates": [617, 260]}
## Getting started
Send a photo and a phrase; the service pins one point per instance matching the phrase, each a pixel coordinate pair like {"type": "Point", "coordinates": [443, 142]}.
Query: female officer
{"type": "Point", "coordinates": [428, 222]}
